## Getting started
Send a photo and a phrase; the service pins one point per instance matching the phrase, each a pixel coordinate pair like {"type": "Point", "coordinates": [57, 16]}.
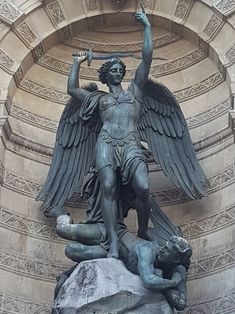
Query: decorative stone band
{"type": "Point", "coordinates": [182, 95]}
{"type": "Point", "coordinates": [16, 305]}
{"type": "Point", "coordinates": [55, 13]}
{"type": "Point", "coordinates": [51, 125]}
{"type": "Point", "coordinates": [37, 229]}
{"type": "Point", "coordinates": [222, 304]}
{"type": "Point", "coordinates": [33, 119]}
{"type": "Point", "coordinates": [44, 92]}
{"type": "Point", "coordinates": [209, 115]}
{"type": "Point", "coordinates": [78, 43]}
{"type": "Point", "coordinates": [32, 228]}
{"type": "Point", "coordinates": [219, 181]}
{"type": "Point", "coordinates": [25, 144]}
{"type": "Point", "coordinates": [32, 188]}
{"type": "Point", "coordinates": [230, 55]}
{"type": "Point", "coordinates": [24, 32]}
{"type": "Point", "coordinates": [216, 138]}
{"type": "Point", "coordinates": [19, 75]}
{"type": "Point", "coordinates": [148, 4]}
{"type": "Point", "coordinates": [218, 262]}
{"type": "Point", "coordinates": [9, 12]}
{"type": "Point", "coordinates": [47, 270]}
{"type": "Point", "coordinates": [226, 7]}
{"type": "Point", "coordinates": [1, 173]}
{"type": "Point", "coordinates": [6, 63]}
{"type": "Point", "coordinates": [179, 64]}
{"type": "Point", "coordinates": [183, 8]}
{"type": "Point", "coordinates": [199, 88]}
{"type": "Point", "coordinates": [209, 224]}
{"type": "Point", "coordinates": [21, 184]}
{"type": "Point", "coordinates": [41, 153]}
{"type": "Point", "coordinates": [27, 149]}
{"type": "Point", "coordinates": [156, 70]}
{"type": "Point", "coordinates": [92, 5]}
{"type": "Point", "coordinates": [212, 223]}
{"type": "Point", "coordinates": [38, 51]}
{"type": "Point", "coordinates": [28, 266]}
{"type": "Point", "coordinates": [214, 25]}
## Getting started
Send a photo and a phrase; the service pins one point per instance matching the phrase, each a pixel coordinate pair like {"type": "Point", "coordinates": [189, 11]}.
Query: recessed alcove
{"type": "Point", "coordinates": [197, 40]}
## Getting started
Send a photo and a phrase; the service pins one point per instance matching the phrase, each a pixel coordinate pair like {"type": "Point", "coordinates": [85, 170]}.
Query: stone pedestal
{"type": "Point", "coordinates": [105, 286]}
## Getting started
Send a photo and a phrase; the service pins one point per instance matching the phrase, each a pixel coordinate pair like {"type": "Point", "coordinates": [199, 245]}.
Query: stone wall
{"type": "Point", "coordinates": [37, 38]}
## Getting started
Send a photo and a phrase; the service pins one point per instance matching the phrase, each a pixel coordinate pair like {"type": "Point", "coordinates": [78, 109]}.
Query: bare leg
{"type": "Point", "coordinates": [107, 178]}
{"type": "Point", "coordinates": [140, 184]}
{"type": "Point", "coordinates": [85, 233]}
{"type": "Point", "coordinates": [78, 252]}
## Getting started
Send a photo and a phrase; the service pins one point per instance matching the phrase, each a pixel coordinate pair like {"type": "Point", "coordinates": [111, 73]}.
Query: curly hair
{"type": "Point", "coordinates": [184, 249]}
{"type": "Point", "coordinates": [103, 70]}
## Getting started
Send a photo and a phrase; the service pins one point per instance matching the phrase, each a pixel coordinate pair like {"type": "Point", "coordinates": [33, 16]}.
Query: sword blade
{"type": "Point", "coordinates": [109, 56]}
{"type": "Point", "coordinates": [120, 55]}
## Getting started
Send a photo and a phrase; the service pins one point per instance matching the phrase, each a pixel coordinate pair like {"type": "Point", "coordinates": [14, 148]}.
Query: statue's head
{"type": "Point", "coordinates": [177, 251]}
{"type": "Point", "coordinates": [112, 72]}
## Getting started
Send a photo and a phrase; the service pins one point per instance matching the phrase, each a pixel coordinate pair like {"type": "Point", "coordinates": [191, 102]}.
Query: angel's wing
{"type": "Point", "coordinates": [163, 126]}
{"type": "Point", "coordinates": [73, 153]}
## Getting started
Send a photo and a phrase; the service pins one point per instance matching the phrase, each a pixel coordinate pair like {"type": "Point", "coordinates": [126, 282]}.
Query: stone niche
{"type": "Point", "coordinates": [37, 39]}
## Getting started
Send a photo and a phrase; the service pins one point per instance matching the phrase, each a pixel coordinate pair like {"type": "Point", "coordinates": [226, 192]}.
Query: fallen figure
{"type": "Point", "coordinates": [160, 267]}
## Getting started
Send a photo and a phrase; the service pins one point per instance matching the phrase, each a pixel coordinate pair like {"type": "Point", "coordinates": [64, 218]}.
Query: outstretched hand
{"type": "Point", "coordinates": [142, 17]}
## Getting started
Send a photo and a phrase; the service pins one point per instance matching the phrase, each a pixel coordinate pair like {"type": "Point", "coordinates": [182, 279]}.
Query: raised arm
{"type": "Point", "coordinates": [142, 72]}
{"type": "Point", "coordinates": [73, 88]}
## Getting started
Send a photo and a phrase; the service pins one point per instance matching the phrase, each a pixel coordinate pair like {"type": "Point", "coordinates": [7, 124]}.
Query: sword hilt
{"type": "Point", "coordinates": [88, 54]}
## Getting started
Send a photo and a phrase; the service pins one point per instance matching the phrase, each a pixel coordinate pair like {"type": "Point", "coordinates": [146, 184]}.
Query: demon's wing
{"type": "Point", "coordinates": [162, 228]}
{"type": "Point", "coordinates": [73, 153]}
{"type": "Point", "coordinates": [163, 126]}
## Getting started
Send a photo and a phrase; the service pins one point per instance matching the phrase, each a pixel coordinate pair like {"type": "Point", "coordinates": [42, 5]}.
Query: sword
{"type": "Point", "coordinates": [96, 56]}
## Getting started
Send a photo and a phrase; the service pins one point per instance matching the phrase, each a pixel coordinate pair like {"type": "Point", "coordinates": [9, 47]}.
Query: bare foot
{"type": "Point", "coordinates": [54, 212]}
{"type": "Point", "coordinates": [113, 251]}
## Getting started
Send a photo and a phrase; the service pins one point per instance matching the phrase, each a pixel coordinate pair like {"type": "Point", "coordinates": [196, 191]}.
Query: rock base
{"type": "Point", "coordinates": [105, 286]}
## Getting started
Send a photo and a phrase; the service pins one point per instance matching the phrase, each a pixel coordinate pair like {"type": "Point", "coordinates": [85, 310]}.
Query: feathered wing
{"type": "Point", "coordinates": [73, 153]}
{"type": "Point", "coordinates": [163, 126]}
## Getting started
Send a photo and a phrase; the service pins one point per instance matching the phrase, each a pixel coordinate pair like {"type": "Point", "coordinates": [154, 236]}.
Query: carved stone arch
{"type": "Point", "coordinates": [30, 245]}
{"type": "Point", "coordinates": [66, 28]}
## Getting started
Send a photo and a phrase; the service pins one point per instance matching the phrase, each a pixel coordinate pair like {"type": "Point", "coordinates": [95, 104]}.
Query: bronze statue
{"type": "Point", "coordinates": [161, 268]}
{"type": "Point", "coordinates": [104, 131]}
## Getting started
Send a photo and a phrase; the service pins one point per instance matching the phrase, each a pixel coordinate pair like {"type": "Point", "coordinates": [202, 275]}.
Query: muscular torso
{"type": "Point", "coordinates": [119, 114]}
{"type": "Point", "coordinates": [129, 248]}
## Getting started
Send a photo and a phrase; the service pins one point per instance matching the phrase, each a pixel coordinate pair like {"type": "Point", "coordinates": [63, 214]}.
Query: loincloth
{"type": "Point", "coordinates": [125, 154]}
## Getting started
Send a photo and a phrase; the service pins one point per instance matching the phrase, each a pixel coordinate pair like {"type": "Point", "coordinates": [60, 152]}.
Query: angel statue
{"type": "Point", "coordinates": [104, 130]}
